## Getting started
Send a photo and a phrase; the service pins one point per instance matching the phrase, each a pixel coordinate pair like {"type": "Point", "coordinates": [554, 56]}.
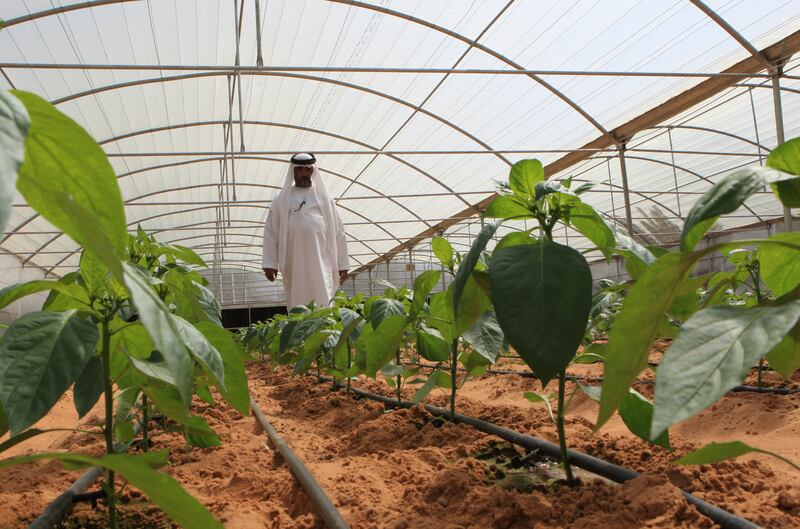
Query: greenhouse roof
{"type": "Point", "coordinates": [413, 108]}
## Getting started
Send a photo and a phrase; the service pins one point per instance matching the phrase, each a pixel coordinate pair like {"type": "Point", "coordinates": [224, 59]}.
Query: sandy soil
{"type": "Point", "coordinates": [401, 469]}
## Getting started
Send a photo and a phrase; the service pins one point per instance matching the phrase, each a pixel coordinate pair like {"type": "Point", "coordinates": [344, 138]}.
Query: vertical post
{"type": "Point", "coordinates": [625, 189]}
{"type": "Point", "coordinates": [674, 171]}
{"type": "Point", "coordinates": [410, 268]}
{"type": "Point", "coordinates": [369, 278]}
{"type": "Point", "coordinates": [354, 284]}
{"type": "Point", "coordinates": [776, 101]}
{"type": "Point", "coordinates": [613, 213]}
{"type": "Point", "coordinates": [259, 56]}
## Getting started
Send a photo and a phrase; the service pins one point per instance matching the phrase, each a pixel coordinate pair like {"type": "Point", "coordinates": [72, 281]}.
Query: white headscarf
{"type": "Point", "coordinates": [281, 206]}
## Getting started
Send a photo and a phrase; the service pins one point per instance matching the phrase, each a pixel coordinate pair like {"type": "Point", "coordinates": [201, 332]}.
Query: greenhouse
{"type": "Point", "coordinates": [399, 264]}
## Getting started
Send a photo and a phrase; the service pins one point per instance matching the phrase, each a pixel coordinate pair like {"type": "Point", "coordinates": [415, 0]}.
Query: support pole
{"type": "Point", "coordinates": [625, 189]}
{"type": "Point", "coordinates": [776, 101]}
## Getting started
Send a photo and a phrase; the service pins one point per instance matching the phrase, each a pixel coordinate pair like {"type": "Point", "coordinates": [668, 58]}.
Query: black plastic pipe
{"type": "Point", "coordinates": [62, 505]}
{"type": "Point", "coordinates": [598, 466]}
{"type": "Point", "coordinates": [327, 510]}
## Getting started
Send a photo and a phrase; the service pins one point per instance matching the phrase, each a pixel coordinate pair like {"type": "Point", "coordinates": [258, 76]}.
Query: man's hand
{"type": "Point", "coordinates": [342, 276]}
{"type": "Point", "coordinates": [270, 273]}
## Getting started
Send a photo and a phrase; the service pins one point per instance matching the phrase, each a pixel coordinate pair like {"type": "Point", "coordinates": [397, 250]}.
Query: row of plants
{"type": "Point", "coordinates": [135, 325]}
{"type": "Point", "coordinates": [536, 294]}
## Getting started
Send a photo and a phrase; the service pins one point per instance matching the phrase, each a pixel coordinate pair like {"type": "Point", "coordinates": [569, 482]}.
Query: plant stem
{"type": "Point", "coordinates": [349, 364]}
{"type": "Point", "coordinates": [109, 422]}
{"type": "Point", "coordinates": [398, 378]}
{"type": "Point", "coordinates": [145, 423]}
{"type": "Point", "coordinates": [755, 273]}
{"type": "Point", "coordinates": [453, 373]}
{"type": "Point", "coordinates": [562, 436]}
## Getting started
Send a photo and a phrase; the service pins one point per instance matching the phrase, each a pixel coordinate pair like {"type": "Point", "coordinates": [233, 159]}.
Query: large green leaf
{"type": "Point", "coordinates": [3, 422]}
{"type": "Point", "coordinates": [442, 314]}
{"type": "Point", "coordinates": [786, 158]}
{"type": "Point", "coordinates": [62, 157]}
{"type": "Point", "coordinates": [473, 303]}
{"type": "Point", "coordinates": [468, 264]}
{"type": "Point", "coordinates": [725, 197]}
{"type": "Point", "coordinates": [523, 177]}
{"type": "Point", "coordinates": [210, 304]}
{"type": "Point", "coordinates": [443, 251]}
{"type": "Point", "coordinates": [514, 238]}
{"type": "Point", "coordinates": [93, 273]}
{"type": "Point", "coordinates": [89, 386]}
{"type": "Point", "coordinates": [186, 296]}
{"type": "Point", "coordinates": [235, 391]}
{"type": "Point", "coordinates": [587, 221]}
{"type": "Point", "coordinates": [14, 124]}
{"type": "Point", "coordinates": [432, 346]}
{"type": "Point", "coordinates": [202, 350]}
{"type": "Point", "coordinates": [486, 336]}
{"type": "Point", "coordinates": [163, 330]}
{"type": "Point", "coordinates": [542, 294]}
{"type": "Point", "coordinates": [161, 488]}
{"type": "Point", "coordinates": [715, 452]}
{"type": "Point", "coordinates": [637, 326]}
{"type": "Point", "coordinates": [17, 291]}
{"type": "Point", "coordinates": [780, 265]}
{"type": "Point", "coordinates": [507, 207]}
{"type": "Point", "coordinates": [785, 357]}
{"type": "Point", "coordinates": [713, 354]}
{"type": "Point", "coordinates": [41, 355]}
{"type": "Point", "coordinates": [383, 308]}
{"type": "Point", "coordinates": [637, 414]}
{"type": "Point", "coordinates": [382, 344]}
{"type": "Point", "coordinates": [423, 285]}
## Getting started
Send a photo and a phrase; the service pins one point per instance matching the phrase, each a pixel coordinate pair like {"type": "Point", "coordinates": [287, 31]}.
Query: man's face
{"type": "Point", "coordinates": [302, 175]}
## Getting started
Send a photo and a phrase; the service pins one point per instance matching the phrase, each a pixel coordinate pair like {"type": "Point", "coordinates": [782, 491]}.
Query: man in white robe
{"type": "Point", "coordinates": [304, 237]}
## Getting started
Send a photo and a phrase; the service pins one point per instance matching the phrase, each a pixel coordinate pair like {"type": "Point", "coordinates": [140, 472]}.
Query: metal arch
{"type": "Point", "coordinates": [202, 208]}
{"type": "Point", "coordinates": [714, 131]}
{"type": "Point", "coordinates": [497, 55]}
{"type": "Point", "coordinates": [17, 229]}
{"type": "Point", "coordinates": [453, 34]}
{"type": "Point", "coordinates": [738, 37]}
{"type": "Point", "coordinates": [283, 125]}
{"type": "Point", "coordinates": [365, 89]}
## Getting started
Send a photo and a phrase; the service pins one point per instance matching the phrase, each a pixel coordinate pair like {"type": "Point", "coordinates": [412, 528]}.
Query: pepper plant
{"type": "Point", "coordinates": [134, 316]}
{"type": "Point", "coordinates": [717, 345]}
{"type": "Point", "coordinates": [542, 290]}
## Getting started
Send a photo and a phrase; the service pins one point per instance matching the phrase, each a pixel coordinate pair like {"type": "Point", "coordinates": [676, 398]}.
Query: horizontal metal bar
{"type": "Point", "coordinates": [421, 152]}
{"type": "Point", "coordinates": [370, 69]}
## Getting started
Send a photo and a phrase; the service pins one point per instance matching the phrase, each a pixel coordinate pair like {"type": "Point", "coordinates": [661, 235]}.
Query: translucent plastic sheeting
{"type": "Point", "coordinates": [400, 152]}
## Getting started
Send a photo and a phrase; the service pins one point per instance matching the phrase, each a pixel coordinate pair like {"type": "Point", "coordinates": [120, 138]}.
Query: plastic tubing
{"type": "Point", "coordinates": [327, 510]}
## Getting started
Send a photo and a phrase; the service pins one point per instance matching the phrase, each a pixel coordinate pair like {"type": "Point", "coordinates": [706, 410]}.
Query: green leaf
{"type": "Point", "coordinates": [442, 314]}
{"type": "Point", "coordinates": [637, 326]}
{"type": "Point", "coordinates": [210, 304]}
{"type": "Point", "coordinates": [786, 158]}
{"type": "Point", "coordinates": [423, 285]}
{"type": "Point", "coordinates": [588, 222]}
{"type": "Point", "coordinates": [235, 392]}
{"type": "Point", "coordinates": [162, 328]}
{"type": "Point", "coordinates": [41, 355]}
{"type": "Point", "coordinates": [785, 357]}
{"type": "Point", "coordinates": [475, 363]}
{"type": "Point", "coordinates": [548, 187]}
{"type": "Point", "coordinates": [124, 432]}
{"type": "Point", "coordinates": [443, 251]}
{"type": "Point", "coordinates": [14, 125]}
{"type": "Point", "coordinates": [513, 239]}
{"type": "Point", "coordinates": [523, 177]}
{"type": "Point", "coordinates": [715, 452]}
{"type": "Point", "coordinates": [525, 281]}
{"type": "Point", "coordinates": [432, 346]}
{"type": "Point", "coordinates": [287, 335]}
{"type": "Point", "coordinates": [507, 207]}
{"type": "Point", "coordinates": [780, 265]}
{"type": "Point", "coordinates": [473, 303]}
{"type": "Point", "coordinates": [17, 291]}
{"type": "Point", "coordinates": [3, 422]}
{"type": "Point", "coordinates": [534, 397]}
{"type": "Point", "coordinates": [426, 388]}
{"type": "Point", "coordinates": [713, 354]}
{"type": "Point", "coordinates": [198, 433]}
{"type": "Point", "coordinates": [93, 273]}
{"type": "Point", "coordinates": [185, 254]}
{"type": "Point", "coordinates": [162, 489]}
{"type": "Point", "coordinates": [88, 387]}
{"type": "Point", "coordinates": [202, 350]}
{"type": "Point", "coordinates": [382, 344]}
{"type": "Point", "coordinates": [636, 412]}
{"type": "Point", "coordinates": [468, 264]}
{"type": "Point", "coordinates": [153, 367]}
{"type": "Point", "coordinates": [384, 308]}
{"type": "Point", "coordinates": [725, 197]}
{"type": "Point", "coordinates": [63, 158]}
{"type": "Point", "coordinates": [486, 336]}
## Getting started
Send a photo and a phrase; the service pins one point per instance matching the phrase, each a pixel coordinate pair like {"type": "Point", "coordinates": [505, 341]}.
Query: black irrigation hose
{"type": "Point", "coordinates": [60, 507]}
{"type": "Point", "coordinates": [327, 510]}
{"type": "Point", "coordinates": [598, 466]}
{"type": "Point", "coordinates": [578, 378]}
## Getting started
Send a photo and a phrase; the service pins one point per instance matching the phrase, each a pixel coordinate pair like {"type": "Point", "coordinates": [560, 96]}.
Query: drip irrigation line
{"type": "Point", "coordinates": [592, 464]}
{"type": "Point", "coordinates": [327, 510]}
{"type": "Point", "coordinates": [578, 378]}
